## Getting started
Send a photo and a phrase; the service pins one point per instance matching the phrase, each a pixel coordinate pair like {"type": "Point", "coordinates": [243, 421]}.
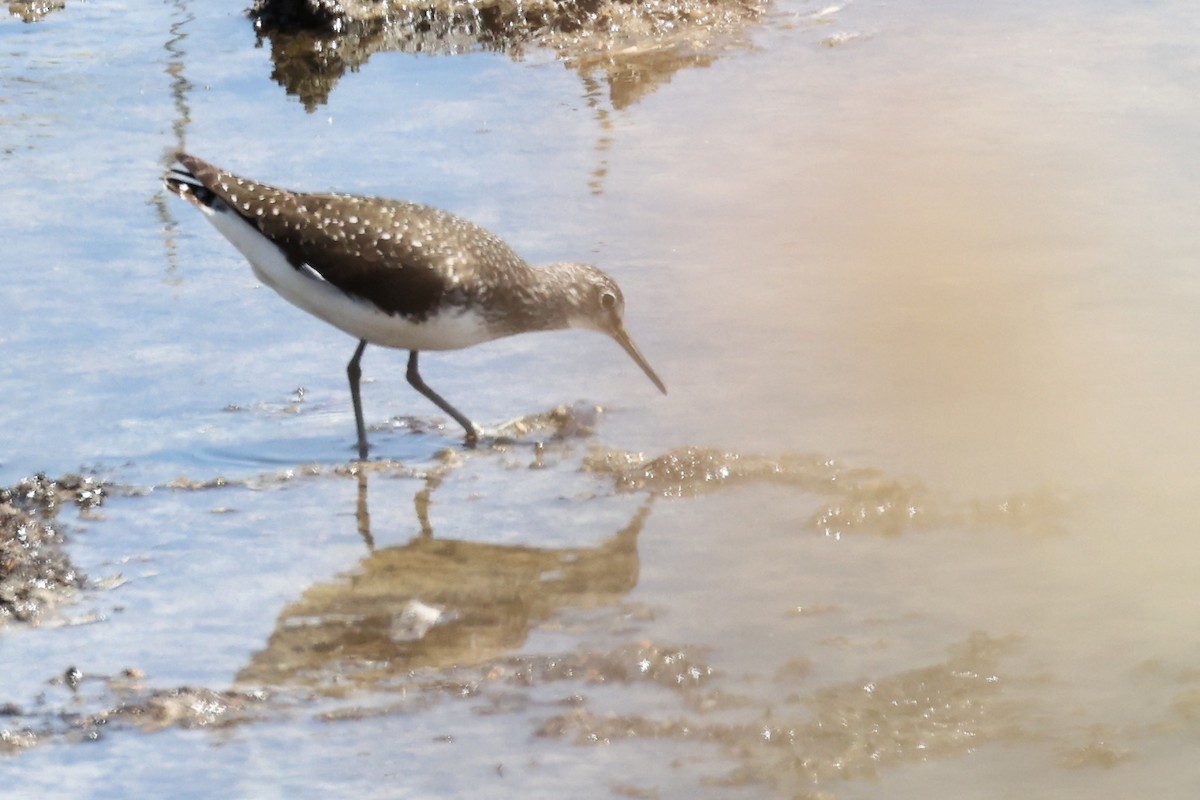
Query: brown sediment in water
{"type": "Point", "coordinates": [861, 500]}
{"type": "Point", "coordinates": [811, 738]}
{"type": "Point", "coordinates": [846, 731]}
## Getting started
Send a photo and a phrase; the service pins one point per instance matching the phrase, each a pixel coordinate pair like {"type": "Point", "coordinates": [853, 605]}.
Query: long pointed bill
{"type": "Point", "coordinates": [623, 339]}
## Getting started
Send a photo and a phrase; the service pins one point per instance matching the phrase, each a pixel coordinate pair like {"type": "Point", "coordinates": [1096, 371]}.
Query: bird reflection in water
{"type": "Point", "coordinates": [435, 602]}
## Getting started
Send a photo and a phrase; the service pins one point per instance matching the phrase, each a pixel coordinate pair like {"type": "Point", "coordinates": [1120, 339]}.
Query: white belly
{"type": "Point", "coordinates": [359, 318]}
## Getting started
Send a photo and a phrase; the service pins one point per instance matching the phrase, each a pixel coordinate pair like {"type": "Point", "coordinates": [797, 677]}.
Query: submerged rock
{"type": "Point", "coordinates": [35, 572]}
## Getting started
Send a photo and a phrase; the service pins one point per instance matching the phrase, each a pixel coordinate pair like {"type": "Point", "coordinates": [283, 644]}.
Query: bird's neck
{"type": "Point", "coordinates": [542, 300]}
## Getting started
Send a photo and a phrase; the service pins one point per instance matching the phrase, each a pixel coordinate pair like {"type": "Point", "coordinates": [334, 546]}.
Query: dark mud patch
{"type": "Point", "coordinates": [36, 574]}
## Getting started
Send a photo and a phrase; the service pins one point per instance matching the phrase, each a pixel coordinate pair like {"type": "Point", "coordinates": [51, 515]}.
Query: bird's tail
{"type": "Point", "coordinates": [183, 182]}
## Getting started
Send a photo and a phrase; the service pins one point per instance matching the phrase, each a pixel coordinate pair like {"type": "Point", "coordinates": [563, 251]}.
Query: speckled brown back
{"type": "Point", "coordinates": [407, 258]}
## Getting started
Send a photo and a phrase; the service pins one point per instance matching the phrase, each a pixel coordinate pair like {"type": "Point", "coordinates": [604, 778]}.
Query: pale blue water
{"type": "Point", "coordinates": [959, 248]}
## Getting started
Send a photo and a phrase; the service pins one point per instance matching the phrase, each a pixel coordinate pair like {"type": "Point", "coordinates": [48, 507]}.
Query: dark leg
{"type": "Point", "coordinates": [354, 372]}
{"type": "Point", "coordinates": [414, 379]}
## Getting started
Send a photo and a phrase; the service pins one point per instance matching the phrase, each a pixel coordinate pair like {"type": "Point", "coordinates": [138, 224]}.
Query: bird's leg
{"type": "Point", "coordinates": [414, 379]}
{"type": "Point", "coordinates": [354, 372]}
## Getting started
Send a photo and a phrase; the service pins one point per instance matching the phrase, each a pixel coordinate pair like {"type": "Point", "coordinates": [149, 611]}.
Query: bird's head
{"type": "Point", "coordinates": [595, 302]}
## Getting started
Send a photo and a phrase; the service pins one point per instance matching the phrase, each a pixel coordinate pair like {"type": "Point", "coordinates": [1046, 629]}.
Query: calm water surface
{"type": "Point", "coordinates": [955, 252]}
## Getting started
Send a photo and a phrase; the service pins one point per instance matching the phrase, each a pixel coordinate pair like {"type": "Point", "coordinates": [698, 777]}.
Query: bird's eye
{"type": "Point", "coordinates": [608, 301]}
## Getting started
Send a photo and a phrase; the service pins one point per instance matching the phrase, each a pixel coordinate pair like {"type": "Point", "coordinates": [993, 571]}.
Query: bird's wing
{"type": "Point", "coordinates": [404, 256]}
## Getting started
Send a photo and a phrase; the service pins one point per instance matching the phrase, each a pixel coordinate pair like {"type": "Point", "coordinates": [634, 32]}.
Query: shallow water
{"type": "Point", "coordinates": [917, 516]}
